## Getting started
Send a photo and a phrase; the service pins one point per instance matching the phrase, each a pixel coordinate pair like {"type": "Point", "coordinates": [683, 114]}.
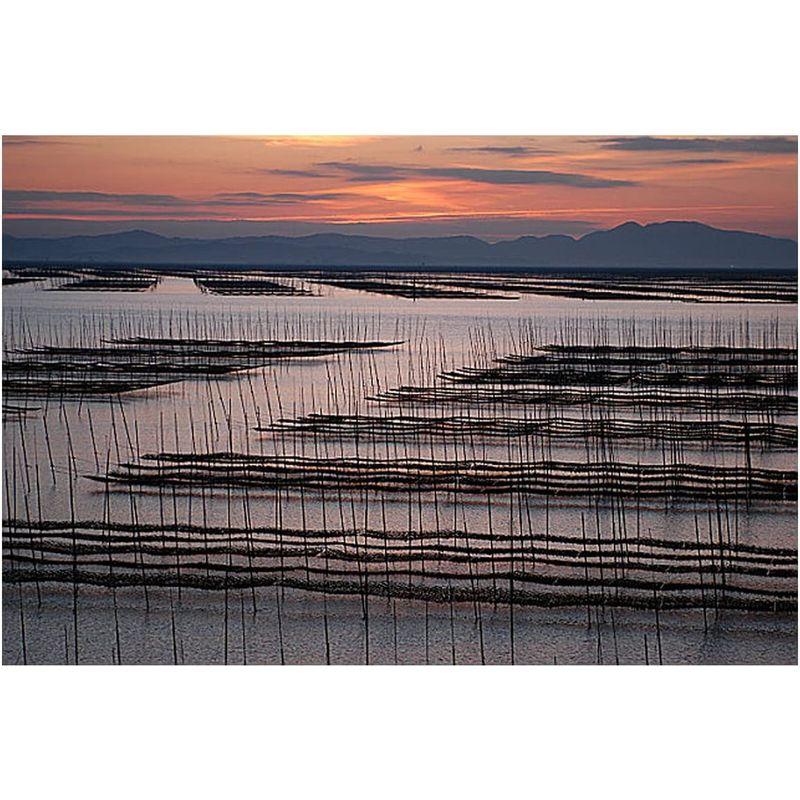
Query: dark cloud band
{"type": "Point", "coordinates": [506, 177]}
{"type": "Point", "coordinates": [736, 144]}
{"type": "Point", "coordinates": [43, 196]}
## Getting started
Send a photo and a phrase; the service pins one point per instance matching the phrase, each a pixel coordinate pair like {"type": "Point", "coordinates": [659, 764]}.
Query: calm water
{"type": "Point", "coordinates": [436, 334]}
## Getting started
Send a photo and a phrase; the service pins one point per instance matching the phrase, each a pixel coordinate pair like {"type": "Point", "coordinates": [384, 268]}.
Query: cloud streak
{"type": "Point", "coordinates": [295, 173]}
{"type": "Point", "coordinates": [733, 144]}
{"type": "Point", "coordinates": [261, 198]}
{"type": "Point", "coordinates": [687, 161]}
{"type": "Point", "coordinates": [379, 173]}
{"type": "Point", "coordinates": [512, 151]}
{"type": "Point", "coordinates": [45, 202]}
{"type": "Point", "coordinates": [14, 141]}
{"type": "Point", "coordinates": [47, 195]}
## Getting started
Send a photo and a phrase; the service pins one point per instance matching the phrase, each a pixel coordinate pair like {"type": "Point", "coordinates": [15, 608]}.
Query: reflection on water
{"type": "Point", "coordinates": [55, 450]}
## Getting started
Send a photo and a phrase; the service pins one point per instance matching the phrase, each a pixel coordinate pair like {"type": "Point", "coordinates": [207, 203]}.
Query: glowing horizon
{"type": "Point", "coordinates": [491, 187]}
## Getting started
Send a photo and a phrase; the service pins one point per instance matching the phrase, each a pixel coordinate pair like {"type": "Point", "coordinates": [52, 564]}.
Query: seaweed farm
{"type": "Point", "coordinates": [340, 467]}
{"type": "Point", "coordinates": [695, 289]}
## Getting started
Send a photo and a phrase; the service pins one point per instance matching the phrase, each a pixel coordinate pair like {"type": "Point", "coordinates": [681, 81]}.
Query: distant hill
{"type": "Point", "coordinates": [665, 244]}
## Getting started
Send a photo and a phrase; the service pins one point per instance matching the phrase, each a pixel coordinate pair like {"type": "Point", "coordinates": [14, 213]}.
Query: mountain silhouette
{"type": "Point", "coordinates": [664, 244]}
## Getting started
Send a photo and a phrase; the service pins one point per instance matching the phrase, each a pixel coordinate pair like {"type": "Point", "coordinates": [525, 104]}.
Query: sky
{"type": "Point", "coordinates": [490, 187]}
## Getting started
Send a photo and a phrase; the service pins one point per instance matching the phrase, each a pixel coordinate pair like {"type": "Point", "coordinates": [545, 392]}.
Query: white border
{"type": "Point", "coordinates": [415, 67]}
{"type": "Point", "coordinates": [421, 66]}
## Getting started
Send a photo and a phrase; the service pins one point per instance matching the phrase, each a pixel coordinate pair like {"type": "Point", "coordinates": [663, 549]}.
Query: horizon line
{"type": "Point", "coordinates": [575, 238]}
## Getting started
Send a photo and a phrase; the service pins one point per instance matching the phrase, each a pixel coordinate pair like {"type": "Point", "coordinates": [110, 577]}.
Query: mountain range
{"type": "Point", "coordinates": [665, 244]}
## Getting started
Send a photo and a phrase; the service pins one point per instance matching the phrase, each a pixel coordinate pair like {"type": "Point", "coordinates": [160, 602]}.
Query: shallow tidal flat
{"type": "Point", "coordinates": [371, 468]}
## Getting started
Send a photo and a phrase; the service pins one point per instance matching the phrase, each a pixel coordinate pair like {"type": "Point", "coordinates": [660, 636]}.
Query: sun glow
{"type": "Point", "coordinates": [363, 178]}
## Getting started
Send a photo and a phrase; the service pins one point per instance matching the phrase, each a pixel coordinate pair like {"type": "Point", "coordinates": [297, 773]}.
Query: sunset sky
{"type": "Point", "coordinates": [491, 187]}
